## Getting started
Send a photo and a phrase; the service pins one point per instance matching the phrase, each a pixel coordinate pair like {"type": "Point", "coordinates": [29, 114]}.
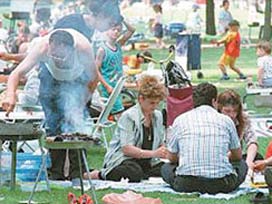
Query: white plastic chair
{"type": "Point", "coordinates": [102, 121]}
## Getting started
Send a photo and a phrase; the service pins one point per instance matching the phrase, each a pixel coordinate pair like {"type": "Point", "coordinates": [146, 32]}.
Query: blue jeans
{"type": "Point", "coordinates": [63, 103]}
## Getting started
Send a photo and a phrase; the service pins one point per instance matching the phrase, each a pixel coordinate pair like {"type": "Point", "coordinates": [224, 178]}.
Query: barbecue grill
{"type": "Point", "coordinates": [19, 126]}
{"type": "Point", "coordinates": [70, 141]}
{"type": "Point", "coordinates": [76, 141]}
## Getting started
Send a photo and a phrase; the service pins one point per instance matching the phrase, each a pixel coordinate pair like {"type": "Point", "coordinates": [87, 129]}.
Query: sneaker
{"type": "Point", "coordinates": [241, 76]}
{"type": "Point", "coordinates": [225, 77]}
{"type": "Point", "coordinates": [85, 199]}
{"type": "Point", "coordinates": [72, 198]}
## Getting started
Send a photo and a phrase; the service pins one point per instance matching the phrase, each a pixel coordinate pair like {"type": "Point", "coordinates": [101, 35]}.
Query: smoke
{"type": "Point", "coordinates": [73, 100]}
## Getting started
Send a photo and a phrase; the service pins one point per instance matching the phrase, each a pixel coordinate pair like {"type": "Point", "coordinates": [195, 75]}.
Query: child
{"type": "Point", "coordinates": [232, 42]}
{"type": "Point", "coordinates": [264, 63]}
{"type": "Point", "coordinates": [157, 26]}
{"type": "Point", "coordinates": [109, 62]}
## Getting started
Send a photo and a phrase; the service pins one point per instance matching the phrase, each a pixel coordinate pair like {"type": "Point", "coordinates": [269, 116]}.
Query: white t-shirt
{"type": "Point", "coordinates": [265, 62]}
{"type": "Point", "coordinates": [194, 22]}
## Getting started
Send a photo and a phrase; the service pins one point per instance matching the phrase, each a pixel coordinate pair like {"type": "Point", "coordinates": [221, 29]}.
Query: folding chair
{"type": "Point", "coordinates": [102, 121]}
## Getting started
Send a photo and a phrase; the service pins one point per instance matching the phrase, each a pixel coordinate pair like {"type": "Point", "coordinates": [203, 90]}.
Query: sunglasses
{"type": "Point", "coordinates": [58, 58]}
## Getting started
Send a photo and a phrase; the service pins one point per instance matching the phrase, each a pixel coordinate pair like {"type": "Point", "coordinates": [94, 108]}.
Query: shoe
{"type": "Point", "coordinates": [225, 77]}
{"type": "Point", "coordinates": [241, 76]}
{"type": "Point", "coordinates": [260, 198]}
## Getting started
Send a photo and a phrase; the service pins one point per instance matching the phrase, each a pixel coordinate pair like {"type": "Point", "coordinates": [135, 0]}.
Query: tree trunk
{"type": "Point", "coordinates": [210, 22]}
{"type": "Point", "coordinates": [267, 21]}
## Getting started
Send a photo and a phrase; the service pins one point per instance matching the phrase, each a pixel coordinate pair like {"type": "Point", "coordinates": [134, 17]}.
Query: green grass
{"type": "Point", "coordinates": [210, 57]}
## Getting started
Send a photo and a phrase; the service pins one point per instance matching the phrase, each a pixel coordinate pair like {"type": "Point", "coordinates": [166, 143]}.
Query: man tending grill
{"type": "Point", "coordinates": [68, 77]}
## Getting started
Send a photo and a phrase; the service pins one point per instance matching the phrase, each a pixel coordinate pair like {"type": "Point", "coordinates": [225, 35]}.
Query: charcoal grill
{"type": "Point", "coordinates": [19, 126]}
{"type": "Point", "coordinates": [70, 141]}
{"type": "Point", "coordinates": [76, 141]}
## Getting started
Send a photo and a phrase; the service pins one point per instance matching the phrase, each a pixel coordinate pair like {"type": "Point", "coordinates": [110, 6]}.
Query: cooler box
{"type": "Point", "coordinates": [27, 166]}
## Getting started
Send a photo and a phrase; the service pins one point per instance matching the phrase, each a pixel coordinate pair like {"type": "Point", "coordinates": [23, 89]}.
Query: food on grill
{"type": "Point", "coordinates": [72, 137]}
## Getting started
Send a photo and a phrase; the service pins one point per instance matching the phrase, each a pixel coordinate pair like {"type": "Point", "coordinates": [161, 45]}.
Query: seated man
{"type": "Point", "coordinates": [200, 142]}
{"type": "Point", "coordinates": [138, 142]}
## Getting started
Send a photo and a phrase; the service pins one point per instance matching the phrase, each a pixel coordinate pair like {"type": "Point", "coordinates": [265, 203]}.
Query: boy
{"type": "Point", "coordinates": [264, 63]}
{"type": "Point", "coordinates": [232, 42]}
{"type": "Point", "coordinates": [109, 62]}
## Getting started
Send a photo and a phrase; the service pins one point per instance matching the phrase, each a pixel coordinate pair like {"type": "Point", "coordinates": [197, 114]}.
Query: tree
{"type": "Point", "coordinates": [267, 21]}
{"type": "Point", "coordinates": [210, 22]}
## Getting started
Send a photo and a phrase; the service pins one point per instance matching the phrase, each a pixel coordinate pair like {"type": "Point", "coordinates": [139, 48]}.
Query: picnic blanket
{"type": "Point", "coordinates": [151, 185]}
{"type": "Point", "coordinates": [262, 126]}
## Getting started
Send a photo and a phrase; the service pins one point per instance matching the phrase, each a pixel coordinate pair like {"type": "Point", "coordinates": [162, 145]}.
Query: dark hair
{"type": "Point", "coordinates": [265, 45]}
{"type": "Point", "coordinates": [157, 8]}
{"type": "Point", "coordinates": [43, 15]}
{"type": "Point", "coordinates": [225, 2]}
{"type": "Point", "coordinates": [143, 55]}
{"type": "Point", "coordinates": [234, 23]}
{"type": "Point", "coordinates": [203, 94]}
{"type": "Point", "coordinates": [109, 8]}
{"type": "Point", "coordinates": [61, 37]}
{"type": "Point", "coordinates": [231, 98]}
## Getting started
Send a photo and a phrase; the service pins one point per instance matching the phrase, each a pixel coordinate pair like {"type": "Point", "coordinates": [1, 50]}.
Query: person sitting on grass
{"type": "Point", "coordinates": [138, 142]}
{"type": "Point", "coordinates": [229, 103]}
{"type": "Point", "coordinates": [204, 148]}
{"type": "Point", "coordinates": [264, 165]}
{"type": "Point", "coordinates": [232, 41]}
{"type": "Point", "coordinates": [264, 63]}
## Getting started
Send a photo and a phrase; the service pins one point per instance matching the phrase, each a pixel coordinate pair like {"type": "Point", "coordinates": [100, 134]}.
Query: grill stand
{"type": "Point", "coordinates": [79, 148]}
{"type": "Point", "coordinates": [42, 168]}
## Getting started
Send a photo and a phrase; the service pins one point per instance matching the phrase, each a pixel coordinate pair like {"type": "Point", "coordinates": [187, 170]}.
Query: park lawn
{"type": "Point", "coordinates": [211, 73]}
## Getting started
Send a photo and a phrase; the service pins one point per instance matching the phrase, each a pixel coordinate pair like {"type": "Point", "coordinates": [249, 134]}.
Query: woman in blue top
{"type": "Point", "coordinates": [224, 18]}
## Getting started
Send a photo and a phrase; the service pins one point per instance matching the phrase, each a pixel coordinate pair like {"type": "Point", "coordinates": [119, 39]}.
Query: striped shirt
{"type": "Point", "coordinates": [202, 139]}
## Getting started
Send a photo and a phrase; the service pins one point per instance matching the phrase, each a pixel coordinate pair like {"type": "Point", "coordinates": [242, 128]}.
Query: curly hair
{"type": "Point", "coordinates": [231, 98]}
{"type": "Point", "coordinates": [204, 94]}
{"type": "Point", "coordinates": [150, 87]}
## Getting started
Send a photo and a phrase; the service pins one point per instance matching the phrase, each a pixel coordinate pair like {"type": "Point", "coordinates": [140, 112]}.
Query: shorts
{"type": "Point", "coordinates": [227, 60]}
{"type": "Point", "coordinates": [158, 31]}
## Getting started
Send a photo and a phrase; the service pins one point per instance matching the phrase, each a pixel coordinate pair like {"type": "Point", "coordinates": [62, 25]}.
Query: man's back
{"type": "Point", "coordinates": [203, 138]}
